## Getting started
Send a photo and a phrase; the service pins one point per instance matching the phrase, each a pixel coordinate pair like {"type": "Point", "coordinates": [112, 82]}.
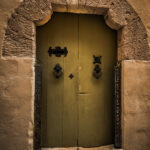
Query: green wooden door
{"type": "Point", "coordinates": [77, 111]}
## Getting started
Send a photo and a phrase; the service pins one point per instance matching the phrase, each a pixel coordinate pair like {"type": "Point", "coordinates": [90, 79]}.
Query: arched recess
{"type": "Point", "coordinates": [20, 35]}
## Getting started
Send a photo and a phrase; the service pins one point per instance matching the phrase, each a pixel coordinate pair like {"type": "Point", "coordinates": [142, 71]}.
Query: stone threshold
{"type": "Point", "coordinates": [108, 147]}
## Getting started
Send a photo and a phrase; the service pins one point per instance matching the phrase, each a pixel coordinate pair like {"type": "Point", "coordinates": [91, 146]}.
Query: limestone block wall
{"type": "Point", "coordinates": [136, 104]}
{"type": "Point", "coordinates": [16, 92]}
{"type": "Point", "coordinates": [16, 104]}
{"type": "Point", "coordinates": [18, 20]}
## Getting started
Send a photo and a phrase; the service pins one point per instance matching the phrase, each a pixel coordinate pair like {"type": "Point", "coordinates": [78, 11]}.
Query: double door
{"type": "Point", "coordinates": [77, 54]}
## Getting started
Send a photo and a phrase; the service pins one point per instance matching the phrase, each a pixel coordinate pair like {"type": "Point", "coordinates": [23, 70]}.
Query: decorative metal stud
{"type": "Point", "coordinates": [71, 76]}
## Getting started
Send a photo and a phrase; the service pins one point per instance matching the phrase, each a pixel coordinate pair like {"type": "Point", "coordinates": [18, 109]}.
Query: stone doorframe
{"type": "Point", "coordinates": [20, 35]}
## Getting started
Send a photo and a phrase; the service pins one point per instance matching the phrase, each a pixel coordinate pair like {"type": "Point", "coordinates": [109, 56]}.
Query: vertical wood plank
{"type": "Point", "coordinates": [96, 95]}
{"type": "Point", "coordinates": [70, 121]}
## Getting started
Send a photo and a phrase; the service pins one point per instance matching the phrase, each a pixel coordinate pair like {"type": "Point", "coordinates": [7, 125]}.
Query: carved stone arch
{"type": "Point", "coordinates": [20, 35]}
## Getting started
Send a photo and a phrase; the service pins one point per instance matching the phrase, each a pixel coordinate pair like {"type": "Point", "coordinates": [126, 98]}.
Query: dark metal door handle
{"type": "Point", "coordinates": [97, 72]}
{"type": "Point", "coordinates": [57, 71]}
{"type": "Point", "coordinates": [58, 51]}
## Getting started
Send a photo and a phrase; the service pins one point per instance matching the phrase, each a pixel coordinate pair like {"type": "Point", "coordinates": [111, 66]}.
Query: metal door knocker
{"type": "Point", "coordinates": [57, 71]}
{"type": "Point", "coordinates": [97, 72]}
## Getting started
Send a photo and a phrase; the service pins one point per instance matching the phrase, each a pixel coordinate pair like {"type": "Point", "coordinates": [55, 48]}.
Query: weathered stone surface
{"type": "Point", "coordinates": [17, 45]}
{"type": "Point", "coordinates": [92, 3]}
{"type": "Point", "coordinates": [101, 10]}
{"type": "Point", "coordinates": [6, 9]}
{"type": "Point", "coordinates": [20, 33]}
{"type": "Point", "coordinates": [136, 105]}
{"type": "Point", "coordinates": [119, 15]}
{"type": "Point", "coordinates": [133, 41]}
{"type": "Point", "coordinates": [132, 32]}
{"type": "Point", "coordinates": [34, 10]}
{"type": "Point", "coordinates": [112, 20]}
{"type": "Point", "coordinates": [59, 5]}
{"type": "Point", "coordinates": [18, 37]}
{"type": "Point", "coordinates": [72, 5]}
{"type": "Point", "coordinates": [60, 2]}
{"type": "Point", "coordinates": [108, 147]}
{"type": "Point", "coordinates": [81, 2]}
{"type": "Point", "coordinates": [21, 25]}
{"type": "Point", "coordinates": [16, 104]}
{"type": "Point", "coordinates": [143, 10]}
{"type": "Point", "coordinates": [94, 7]}
{"type": "Point", "coordinates": [134, 50]}
{"type": "Point", "coordinates": [8, 67]}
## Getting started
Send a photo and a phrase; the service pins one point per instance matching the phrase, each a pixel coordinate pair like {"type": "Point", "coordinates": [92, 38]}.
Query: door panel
{"type": "Point", "coordinates": [77, 111]}
{"type": "Point", "coordinates": [95, 95]}
{"type": "Point", "coordinates": [60, 104]}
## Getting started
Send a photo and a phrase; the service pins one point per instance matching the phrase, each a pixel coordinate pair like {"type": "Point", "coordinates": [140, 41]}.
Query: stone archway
{"type": "Point", "coordinates": [20, 35]}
